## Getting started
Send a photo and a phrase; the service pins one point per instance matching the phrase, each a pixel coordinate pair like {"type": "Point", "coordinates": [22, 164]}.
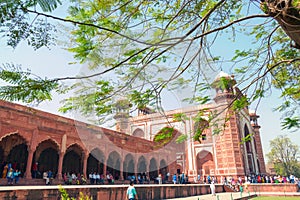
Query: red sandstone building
{"type": "Point", "coordinates": [64, 145]}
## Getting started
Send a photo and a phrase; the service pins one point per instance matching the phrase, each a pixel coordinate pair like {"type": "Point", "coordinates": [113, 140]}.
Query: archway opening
{"type": "Point", "coordinates": [249, 151]}
{"type": "Point", "coordinates": [153, 169]}
{"type": "Point", "coordinates": [48, 160]}
{"type": "Point", "coordinates": [142, 166]}
{"type": "Point", "coordinates": [73, 162]}
{"type": "Point", "coordinates": [205, 163]}
{"type": "Point", "coordinates": [163, 169]}
{"type": "Point", "coordinates": [139, 133]}
{"type": "Point", "coordinates": [113, 164]}
{"type": "Point", "coordinates": [95, 162]}
{"type": "Point", "coordinates": [18, 157]}
{"type": "Point", "coordinates": [46, 155]}
{"type": "Point", "coordinates": [14, 151]}
{"type": "Point", "coordinates": [128, 167]}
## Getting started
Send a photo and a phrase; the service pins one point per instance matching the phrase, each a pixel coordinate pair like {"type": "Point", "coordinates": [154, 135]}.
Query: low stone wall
{"type": "Point", "coordinates": [105, 192]}
{"type": "Point", "coordinates": [267, 187]}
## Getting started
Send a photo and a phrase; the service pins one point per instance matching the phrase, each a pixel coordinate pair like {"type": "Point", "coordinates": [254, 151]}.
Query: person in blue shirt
{"type": "Point", "coordinates": [16, 176]}
{"type": "Point", "coordinates": [50, 176]}
{"type": "Point", "coordinates": [10, 176]}
{"type": "Point", "coordinates": [174, 178]}
{"type": "Point", "coordinates": [131, 192]}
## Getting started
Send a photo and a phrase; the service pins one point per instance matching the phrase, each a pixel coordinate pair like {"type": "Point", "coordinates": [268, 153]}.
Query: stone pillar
{"type": "Point", "coordinates": [104, 169]}
{"type": "Point", "coordinates": [98, 167]}
{"type": "Point", "coordinates": [121, 171]}
{"type": "Point", "coordinates": [254, 155]}
{"type": "Point", "coordinates": [259, 150]}
{"type": "Point", "coordinates": [158, 166]}
{"type": "Point", "coordinates": [245, 160]}
{"type": "Point", "coordinates": [62, 155]}
{"type": "Point", "coordinates": [136, 169]}
{"type": "Point", "coordinates": [29, 162]}
{"type": "Point", "coordinates": [60, 165]}
{"type": "Point", "coordinates": [190, 161]}
{"type": "Point", "coordinates": [85, 159]}
{"type": "Point", "coordinates": [258, 143]}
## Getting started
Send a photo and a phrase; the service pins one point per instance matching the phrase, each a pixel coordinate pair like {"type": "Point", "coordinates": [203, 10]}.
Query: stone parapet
{"type": "Point", "coordinates": [111, 192]}
{"type": "Point", "coordinates": [268, 187]}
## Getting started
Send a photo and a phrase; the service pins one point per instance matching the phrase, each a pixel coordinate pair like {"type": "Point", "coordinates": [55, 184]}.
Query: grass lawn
{"type": "Point", "coordinates": [275, 198]}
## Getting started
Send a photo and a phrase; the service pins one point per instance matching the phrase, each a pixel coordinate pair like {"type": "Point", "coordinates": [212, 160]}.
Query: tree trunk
{"type": "Point", "coordinates": [287, 14]}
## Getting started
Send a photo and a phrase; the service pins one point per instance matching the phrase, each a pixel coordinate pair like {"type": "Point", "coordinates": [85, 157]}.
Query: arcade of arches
{"type": "Point", "coordinates": [53, 142]}
{"type": "Point", "coordinates": [14, 149]}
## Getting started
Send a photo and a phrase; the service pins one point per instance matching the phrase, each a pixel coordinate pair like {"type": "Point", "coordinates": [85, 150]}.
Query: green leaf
{"type": "Point", "coordinates": [291, 123]}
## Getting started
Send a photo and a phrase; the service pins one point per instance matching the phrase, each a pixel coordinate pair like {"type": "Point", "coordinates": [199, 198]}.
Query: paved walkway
{"type": "Point", "coordinates": [219, 196]}
{"type": "Point", "coordinates": [237, 195]}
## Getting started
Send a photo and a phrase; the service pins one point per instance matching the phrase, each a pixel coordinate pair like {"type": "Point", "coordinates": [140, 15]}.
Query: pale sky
{"type": "Point", "coordinates": [54, 63]}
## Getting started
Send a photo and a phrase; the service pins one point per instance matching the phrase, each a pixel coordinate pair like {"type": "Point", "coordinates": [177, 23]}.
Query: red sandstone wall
{"type": "Point", "coordinates": [271, 188]}
{"type": "Point", "coordinates": [228, 151]}
{"type": "Point", "coordinates": [155, 192]}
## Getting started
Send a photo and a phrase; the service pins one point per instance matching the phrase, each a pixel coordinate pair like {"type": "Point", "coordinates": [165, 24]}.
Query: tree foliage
{"type": "Point", "coordinates": [138, 48]}
{"type": "Point", "coordinates": [285, 156]}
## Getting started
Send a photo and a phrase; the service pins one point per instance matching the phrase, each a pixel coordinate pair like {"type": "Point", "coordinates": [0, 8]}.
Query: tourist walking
{"type": "Point", "coordinates": [131, 192]}
{"type": "Point", "coordinates": [212, 188]}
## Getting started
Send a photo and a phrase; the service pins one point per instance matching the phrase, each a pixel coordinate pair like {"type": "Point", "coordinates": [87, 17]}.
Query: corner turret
{"type": "Point", "coordinates": [122, 115]}
{"type": "Point", "coordinates": [224, 84]}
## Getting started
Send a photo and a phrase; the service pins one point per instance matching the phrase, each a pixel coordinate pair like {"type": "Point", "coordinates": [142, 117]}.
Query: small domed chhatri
{"type": "Point", "coordinates": [223, 74]}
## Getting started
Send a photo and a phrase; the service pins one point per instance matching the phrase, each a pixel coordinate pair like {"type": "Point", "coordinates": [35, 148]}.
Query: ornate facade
{"type": "Point", "coordinates": [221, 151]}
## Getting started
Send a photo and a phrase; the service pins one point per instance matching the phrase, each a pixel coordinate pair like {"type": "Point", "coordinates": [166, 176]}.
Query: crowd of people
{"type": "Point", "coordinates": [96, 178]}
{"type": "Point", "coordinates": [13, 174]}
{"type": "Point", "coordinates": [259, 179]}
{"type": "Point", "coordinates": [10, 172]}
{"type": "Point", "coordinates": [74, 178]}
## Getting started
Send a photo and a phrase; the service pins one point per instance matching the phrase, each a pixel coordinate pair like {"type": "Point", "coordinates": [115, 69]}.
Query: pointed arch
{"type": "Point", "coordinates": [96, 161]}
{"type": "Point", "coordinates": [138, 133]}
{"type": "Point", "coordinates": [18, 156]}
{"type": "Point", "coordinates": [14, 134]}
{"type": "Point", "coordinates": [45, 144]}
{"type": "Point", "coordinates": [249, 150]}
{"type": "Point", "coordinates": [128, 166]}
{"type": "Point", "coordinates": [46, 154]}
{"type": "Point", "coordinates": [205, 163]}
{"type": "Point", "coordinates": [113, 164]}
{"type": "Point", "coordinates": [11, 140]}
{"type": "Point", "coordinates": [73, 159]}
{"type": "Point", "coordinates": [153, 169]}
{"type": "Point", "coordinates": [15, 150]}
{"type": "Point", "coordinates": [142, 165]}
{"type": "Point", "coordinates": [163, 168]}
